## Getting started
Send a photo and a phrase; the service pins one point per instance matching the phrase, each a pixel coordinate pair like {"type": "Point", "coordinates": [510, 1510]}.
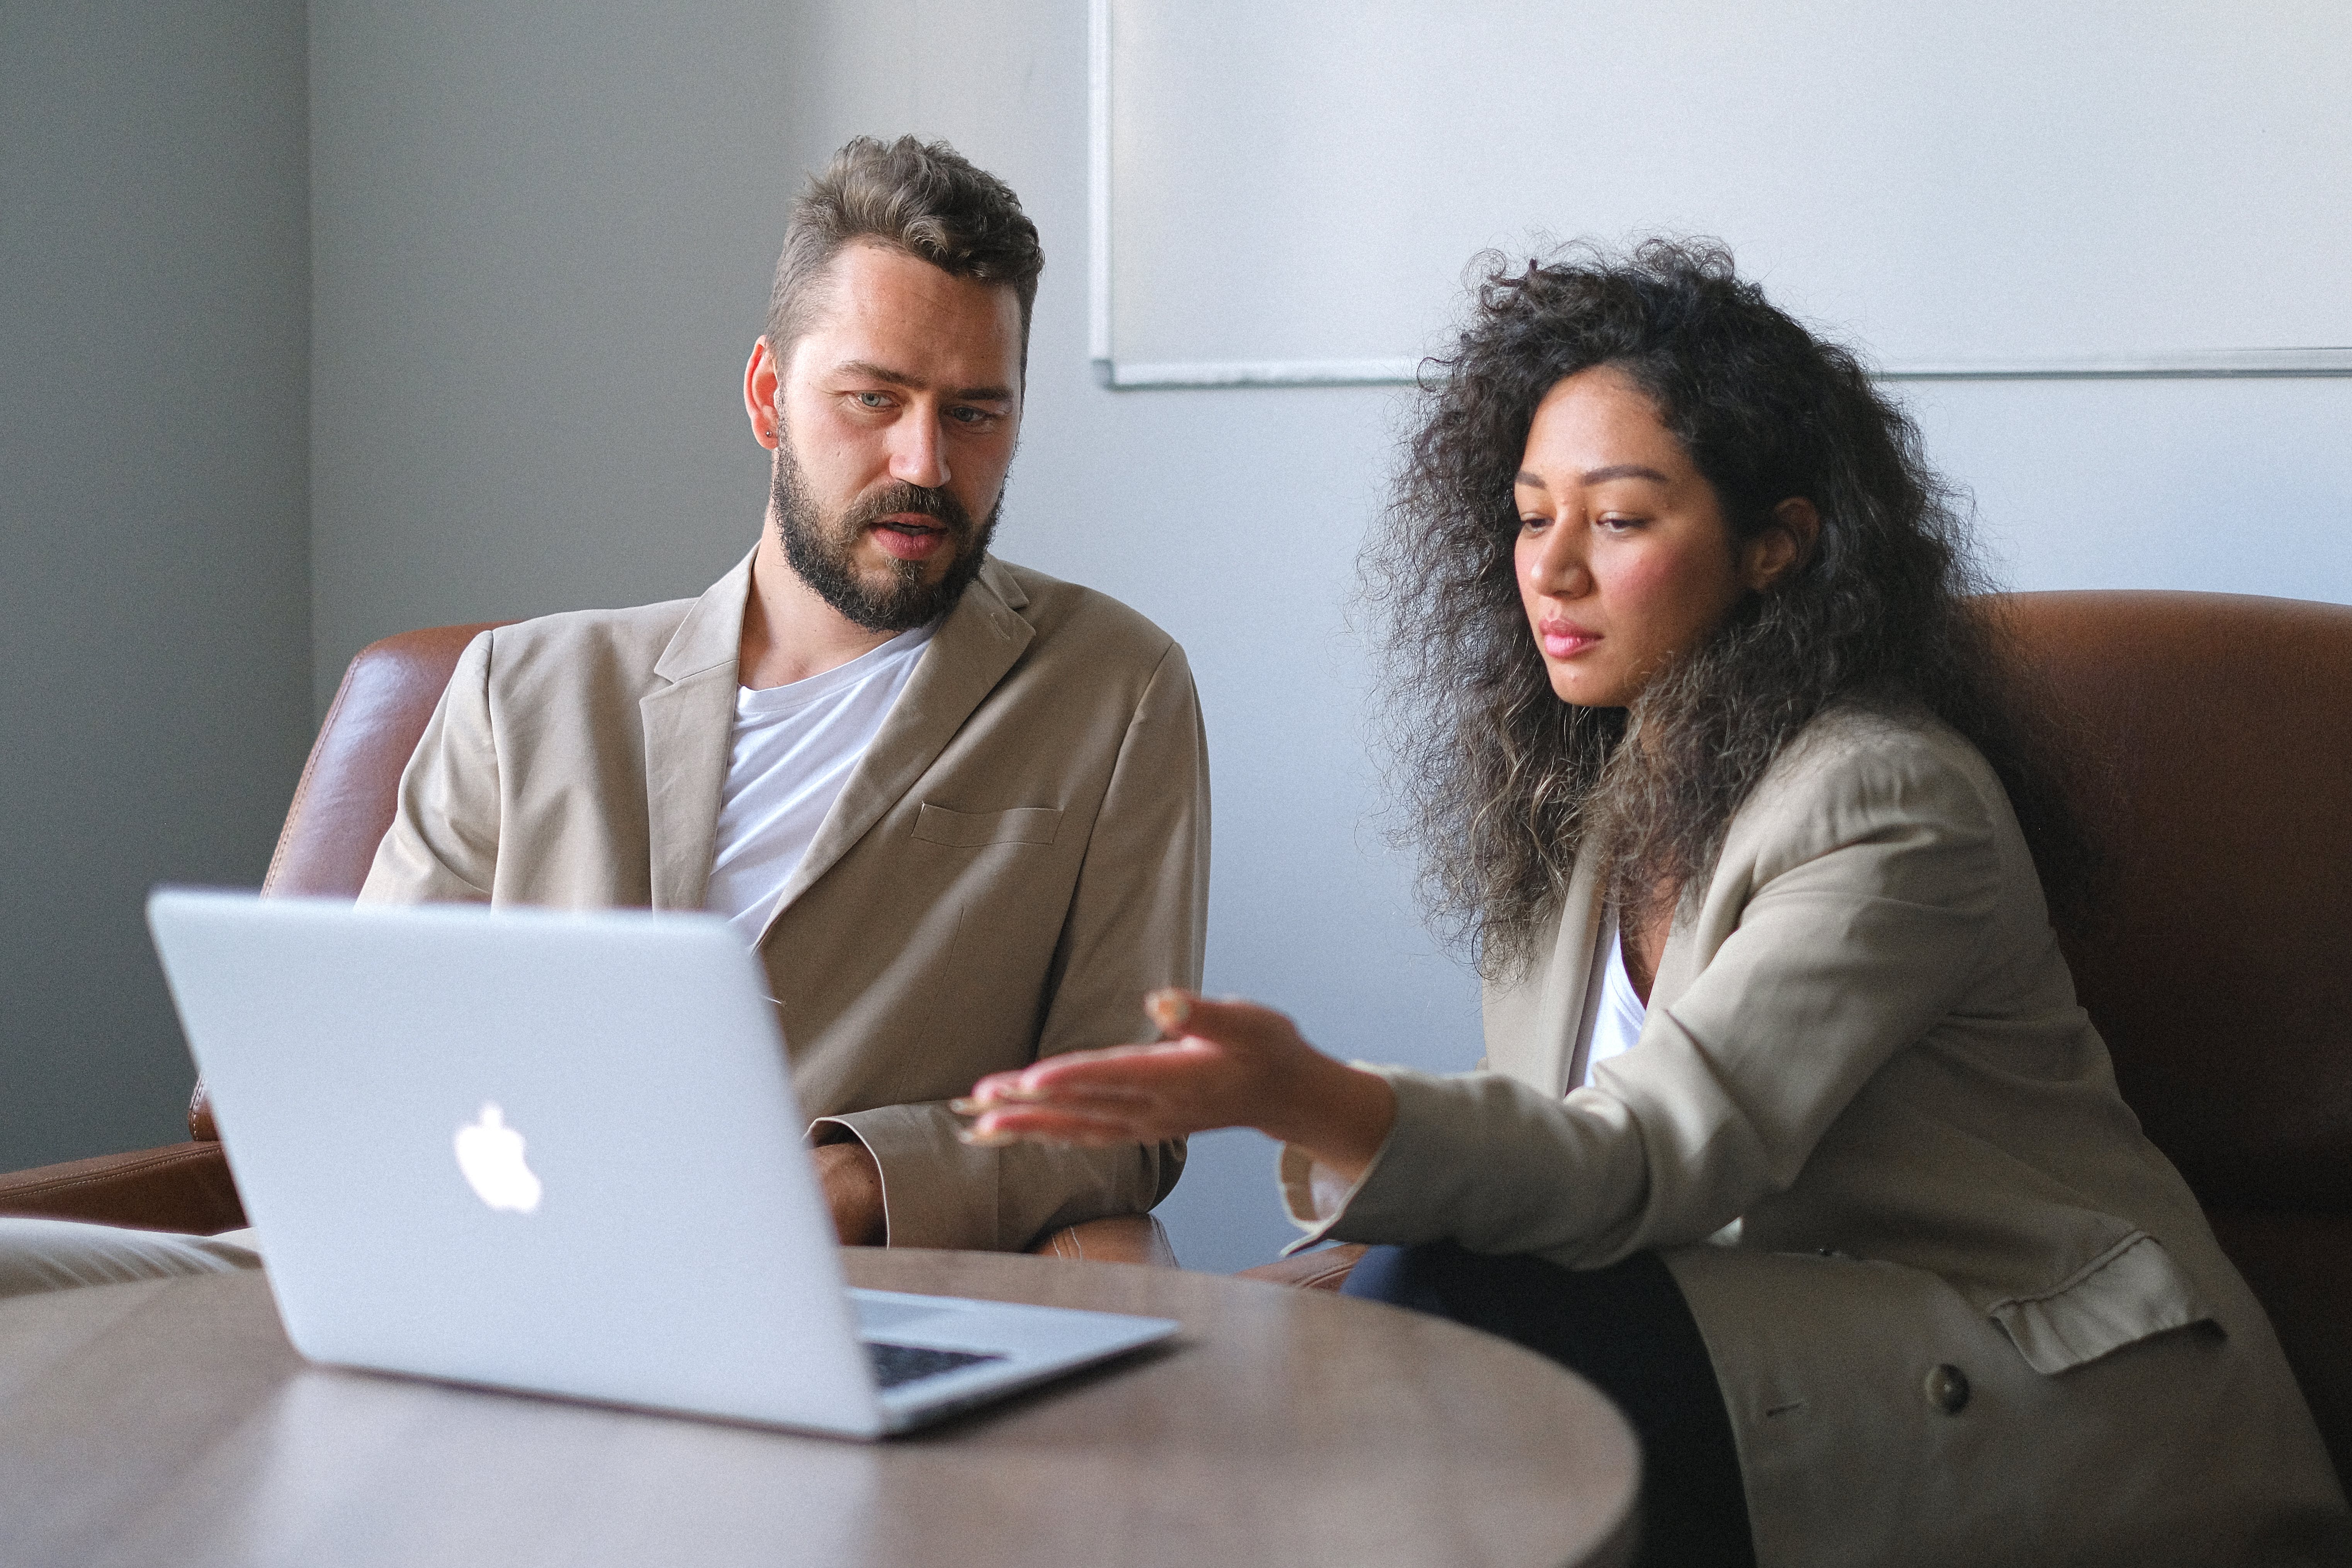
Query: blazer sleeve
{"type": "Point", "coordinates": [1865, 898]}
{"type": "Point", "coordinates": [443, 845]}
{"type": "Point", "coordinates": [1137, 921]}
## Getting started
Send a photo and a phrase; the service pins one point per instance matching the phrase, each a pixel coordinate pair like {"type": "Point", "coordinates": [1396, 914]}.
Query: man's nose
{"type": "Point", "coordinates": [917, 457]}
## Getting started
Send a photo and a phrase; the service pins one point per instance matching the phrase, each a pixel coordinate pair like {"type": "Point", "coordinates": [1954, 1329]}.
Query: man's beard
{"type": "Point", "coordinates": [823, 552]}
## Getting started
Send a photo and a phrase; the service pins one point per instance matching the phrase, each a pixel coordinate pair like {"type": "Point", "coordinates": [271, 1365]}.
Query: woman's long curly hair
{"type": "Point", "coordinates": [1503, 784]}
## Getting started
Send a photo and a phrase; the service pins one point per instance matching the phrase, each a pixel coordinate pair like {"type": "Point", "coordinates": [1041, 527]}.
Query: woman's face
{"type": "Point", "coordinates": [1623, 557]}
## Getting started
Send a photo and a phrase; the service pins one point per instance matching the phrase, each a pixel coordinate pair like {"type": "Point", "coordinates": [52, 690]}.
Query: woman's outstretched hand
{"type": "Point", "coordinates": [1224, 1064]}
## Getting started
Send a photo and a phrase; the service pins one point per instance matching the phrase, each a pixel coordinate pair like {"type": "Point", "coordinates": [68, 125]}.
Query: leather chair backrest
{"type": "Point", "coordinates": [344, 802]}
{"type": "Point", "coordinates": [351, 785]}
{"type": "Point", "coordinates": [2219, 970]}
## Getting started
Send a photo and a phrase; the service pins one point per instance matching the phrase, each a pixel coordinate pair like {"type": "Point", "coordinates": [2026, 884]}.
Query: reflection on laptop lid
{"type": "Point", "coordinates": [560, 1152]}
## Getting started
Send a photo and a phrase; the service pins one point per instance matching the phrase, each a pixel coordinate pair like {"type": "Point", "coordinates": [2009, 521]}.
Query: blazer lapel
{"type": "Point", "coordinates": [979, 641]}
{"type": "Point", "coordinates": [690, 722]}
{"type": "Point", "coordinates": [1531, 1026]}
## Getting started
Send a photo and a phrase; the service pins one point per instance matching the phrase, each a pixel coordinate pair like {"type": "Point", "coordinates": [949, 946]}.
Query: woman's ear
{"type": "Point", "coordinates": [1786, 544]}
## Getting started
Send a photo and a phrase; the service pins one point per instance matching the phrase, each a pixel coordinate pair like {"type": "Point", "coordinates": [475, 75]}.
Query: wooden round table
{"type": "Point", "coordinates": [170, 1423]}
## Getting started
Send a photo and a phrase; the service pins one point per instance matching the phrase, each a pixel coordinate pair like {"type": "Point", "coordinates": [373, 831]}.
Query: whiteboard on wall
{"type": "Point", "coordinates": [1290, 193]}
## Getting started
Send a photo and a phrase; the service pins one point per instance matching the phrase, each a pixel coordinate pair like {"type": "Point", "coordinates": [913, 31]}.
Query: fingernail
{"type": "Point", "coordinates": [979, 1139]}
{"type": "Point", "coordinates": [1168, 1008]}
{"type": "Point", "coordinates": [969, 1107]}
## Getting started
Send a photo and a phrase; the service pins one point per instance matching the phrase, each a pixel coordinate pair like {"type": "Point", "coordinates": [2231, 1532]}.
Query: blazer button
{"type": "Point", "coordinates": [1948, 1389]}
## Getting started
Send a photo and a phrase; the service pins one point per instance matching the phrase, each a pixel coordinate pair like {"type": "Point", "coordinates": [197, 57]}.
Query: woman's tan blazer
{"type": "Point", "coordinates": [1878, 1143]}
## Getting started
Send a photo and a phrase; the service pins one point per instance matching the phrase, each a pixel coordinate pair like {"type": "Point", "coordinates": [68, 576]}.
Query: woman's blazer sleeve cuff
{"type": "Point", "coordinates": [1381, 1198]}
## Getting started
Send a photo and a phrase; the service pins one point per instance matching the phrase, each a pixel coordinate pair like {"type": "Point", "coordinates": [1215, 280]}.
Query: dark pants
{"type": "Point", "coordinates": [1626, 1330]}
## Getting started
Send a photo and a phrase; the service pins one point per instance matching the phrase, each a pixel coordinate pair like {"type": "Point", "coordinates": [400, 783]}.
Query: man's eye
{"type": "Point", "coordinates": [967, 415]}
{"type": "Point", "coordinates": [872, 399]}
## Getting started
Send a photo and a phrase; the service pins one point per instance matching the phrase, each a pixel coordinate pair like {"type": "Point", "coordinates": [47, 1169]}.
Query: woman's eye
{"type": "Point", "coordinates": [1614, 524]}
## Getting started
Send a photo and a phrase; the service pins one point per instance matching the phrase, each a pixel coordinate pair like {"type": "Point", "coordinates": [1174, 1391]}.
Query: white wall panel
{"type": "Point", "coordinates": [2004, 185]}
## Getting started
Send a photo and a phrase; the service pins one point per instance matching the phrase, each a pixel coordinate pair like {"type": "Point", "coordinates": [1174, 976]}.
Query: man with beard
{"type": "Point", "coordinates": [960, 808]}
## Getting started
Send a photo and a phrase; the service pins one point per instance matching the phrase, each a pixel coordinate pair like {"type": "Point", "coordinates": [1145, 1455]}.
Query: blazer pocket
{"type": "Point", "coordinates": [971, 829]}
{"type": "Point", "coordinates": [2128, 1293]}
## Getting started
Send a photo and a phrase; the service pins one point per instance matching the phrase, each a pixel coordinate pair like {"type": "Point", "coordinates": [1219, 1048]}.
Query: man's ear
{"type": "Point", "coordinates": [1786, 544]}
{"type": "Point", "coordinates": [760, 378]}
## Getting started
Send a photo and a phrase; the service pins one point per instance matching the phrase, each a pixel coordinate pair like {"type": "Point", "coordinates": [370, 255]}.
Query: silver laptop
{"type": "Point", "coordinates": [560, 1152]}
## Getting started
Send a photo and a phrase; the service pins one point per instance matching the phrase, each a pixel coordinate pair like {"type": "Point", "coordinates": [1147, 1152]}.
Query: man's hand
{"type": "Point", "coordinates": [853, 1190]}
{"type": "Point", "coordinates": [1224, 1064]}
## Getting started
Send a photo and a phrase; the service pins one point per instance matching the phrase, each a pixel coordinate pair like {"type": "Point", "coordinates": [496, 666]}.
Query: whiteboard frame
{"type": "Point", "coordinates": [2207, 365]}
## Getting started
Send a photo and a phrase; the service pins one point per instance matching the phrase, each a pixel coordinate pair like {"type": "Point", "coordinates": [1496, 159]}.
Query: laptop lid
{"type": "Point", "coordinates": [547, 1150]}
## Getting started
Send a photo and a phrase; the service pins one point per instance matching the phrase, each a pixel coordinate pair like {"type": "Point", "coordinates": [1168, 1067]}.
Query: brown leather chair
{"type": "Point", "coordinates": [2220, 968]}
{"type": "Point", "coordinates": [341, 807]}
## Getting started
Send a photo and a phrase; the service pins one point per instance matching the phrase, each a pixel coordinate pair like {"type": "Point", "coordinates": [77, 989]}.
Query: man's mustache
{"type": "Point", "coordinates": [900, 497]}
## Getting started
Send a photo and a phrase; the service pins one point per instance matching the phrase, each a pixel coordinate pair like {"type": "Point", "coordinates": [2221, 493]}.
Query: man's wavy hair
{"type": "Point", "coordinates": [929, 201]}
{"type": "Point", "coordinates": [1502, 784]}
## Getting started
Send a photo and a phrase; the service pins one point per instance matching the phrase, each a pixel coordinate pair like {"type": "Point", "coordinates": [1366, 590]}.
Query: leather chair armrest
{"type": "Point", "coordinates": [180, 1186]}
{"type": "Point", "coordinates": [201, 1125]}
{"type": "Point", "coordinates": [1115, 1238]}
{"type": "Point", "coordinates": [1324, 1268]}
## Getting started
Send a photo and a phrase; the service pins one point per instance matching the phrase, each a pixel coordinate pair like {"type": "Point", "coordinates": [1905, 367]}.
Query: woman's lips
{"type": "Point", "coordinates": [1561, 640]}
{"type": "Point", "coordinates": [911, 538]}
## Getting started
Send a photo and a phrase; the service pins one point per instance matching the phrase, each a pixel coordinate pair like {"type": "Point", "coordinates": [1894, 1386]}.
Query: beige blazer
{"type": "Point", "coordinates": [1021, 853]}
{"type": "Point", "coordinates": [1874, 1136]}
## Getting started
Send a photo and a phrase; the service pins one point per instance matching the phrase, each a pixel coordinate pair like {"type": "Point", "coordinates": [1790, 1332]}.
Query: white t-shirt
{"type": "Point", "coordinates": [1618, 1024]}
{"type": "Point", "coordinates": [792, 749]}
{"type": "Point", "coordinates": [1613, 1012]}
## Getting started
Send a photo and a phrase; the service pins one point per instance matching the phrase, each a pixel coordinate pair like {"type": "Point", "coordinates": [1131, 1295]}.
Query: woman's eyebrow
{"type": "Point", "coordinates": [1623, 471]}
{"type": "Point", "coordinates": [1533, 482]}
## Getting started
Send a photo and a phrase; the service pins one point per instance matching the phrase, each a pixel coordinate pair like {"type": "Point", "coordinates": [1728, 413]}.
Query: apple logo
{"type": "Point", "coordinates": [491, 1154]}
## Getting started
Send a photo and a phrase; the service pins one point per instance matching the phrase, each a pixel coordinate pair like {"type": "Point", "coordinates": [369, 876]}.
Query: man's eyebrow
{"type": "Point", "coordinates": [880, 372]}
{"type": "Point", "coordinates": [890, 377]}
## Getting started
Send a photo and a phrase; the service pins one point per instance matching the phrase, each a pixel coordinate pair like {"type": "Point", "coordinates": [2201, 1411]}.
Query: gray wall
{"type": "Point", "coordinates": [155, 593]}
{"type": "Point", "coordinates": [540, 239]}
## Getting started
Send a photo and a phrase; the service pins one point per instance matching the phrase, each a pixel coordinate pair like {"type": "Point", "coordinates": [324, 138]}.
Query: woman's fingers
{"type": "Point", "coordinates": [1141, 1095]}
{"type": "Point", "coordinates": [1042, 1125]}
{"type": "Point", "coordinates": [1110, 1083]}
{"type": "Point", "coordinates": [1025, 1084]}
{"type": "Point", "coordinates": [1229, 1022]}
{"type": "Point", "coordinates": [1168, 1007]}
{"type": "Point", "coordinates": [1122, 1072]}
{"type": "Point", "coordinates": [1221, 1068]}
{"type": "Point", "coordinates": [1130, 1069]}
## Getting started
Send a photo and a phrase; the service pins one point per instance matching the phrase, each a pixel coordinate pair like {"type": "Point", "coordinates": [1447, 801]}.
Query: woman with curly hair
{"type": "Point", "coordinates": [1789, 1133]}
